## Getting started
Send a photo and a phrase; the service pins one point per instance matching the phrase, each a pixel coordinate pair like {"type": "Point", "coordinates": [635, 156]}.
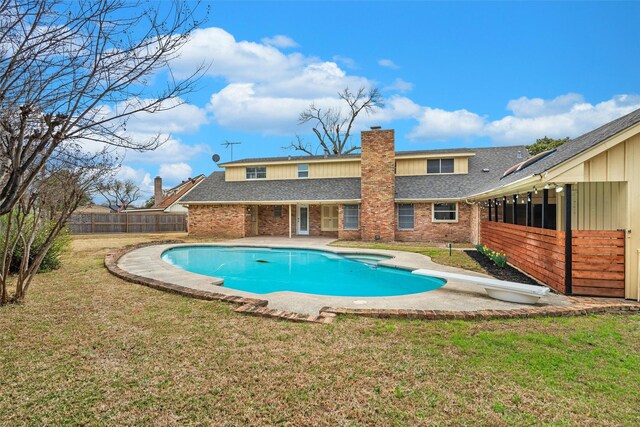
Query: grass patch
{"type": "Point", "coordinates": [88, 348]}
{"type": "Point", "coordinates": [436, 251]}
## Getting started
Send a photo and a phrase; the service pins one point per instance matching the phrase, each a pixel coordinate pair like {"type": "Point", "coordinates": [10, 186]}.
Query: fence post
{"type": "Point", "coordinates": [157, 223]}
{"type": "Point", "coordinates": [126, 219]}
{"type": "Point", "coordinates": [568, 242]}
{"type": "Point", "coordinates": [93, 222]}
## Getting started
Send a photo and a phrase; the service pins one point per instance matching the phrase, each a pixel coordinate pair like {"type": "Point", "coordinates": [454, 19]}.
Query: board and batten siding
{"type": "Point", "coordinates": [412, 167]}
{"type": "Point", "coordinates": [340, 169]}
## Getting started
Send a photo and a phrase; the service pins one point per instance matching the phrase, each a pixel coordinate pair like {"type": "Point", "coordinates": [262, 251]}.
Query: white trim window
{"type": "Point", "coordinates": [440, 166]}
{"type": "Point", "coordinates": [445, 212]}
{"type": "Point", "coordinates": [351, 217]}
{"type": "Point", "coordinates": [258, 172]}
{"type": "Point", "coordinates": [303, 170]}
{"type": "Point", "coordinates": [329, 218]}
{"type": "Point", "coordinates": [406, 216]}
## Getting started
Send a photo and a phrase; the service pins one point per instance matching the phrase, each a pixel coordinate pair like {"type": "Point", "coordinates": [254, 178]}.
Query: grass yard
{"type": "Point", "coordinates": [88, 348]}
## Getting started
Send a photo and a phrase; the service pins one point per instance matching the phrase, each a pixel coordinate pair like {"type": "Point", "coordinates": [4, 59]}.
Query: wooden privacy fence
{"type": "Point", "coordinates": [87, 223]}
{"type": "Point", "coordinates": [597, 267]}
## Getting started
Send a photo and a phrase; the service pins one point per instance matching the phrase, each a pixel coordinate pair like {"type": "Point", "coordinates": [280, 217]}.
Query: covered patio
{"type": "Point", "coordinates": [570, 236]}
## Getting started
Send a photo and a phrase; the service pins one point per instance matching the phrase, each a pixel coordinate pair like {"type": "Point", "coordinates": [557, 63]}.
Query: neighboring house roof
{"type": "Point", "coordinates": [567, 151]}
{"type": "Point", "coordinates": [215, 189]}
{"type": "Point", "coordinates": [93, 209]}
{"type": "Point", "coordinates": [425, 187]}
{"type": "Point", "coordinates": [174, 194]}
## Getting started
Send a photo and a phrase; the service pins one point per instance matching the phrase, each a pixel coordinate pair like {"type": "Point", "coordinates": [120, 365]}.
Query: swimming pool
{"type": "Point", "coordinates": [266, 270]}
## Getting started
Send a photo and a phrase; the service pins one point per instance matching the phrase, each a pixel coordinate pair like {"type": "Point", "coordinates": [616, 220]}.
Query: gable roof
{"type": "Point", "coordinates": [425, 187]}
{"type": "Point", "coordinates": [567, 151]}
{"type": "Point", "coordinates": [215, 189]}
{"type": "Point", "coordinates": [174, 194]}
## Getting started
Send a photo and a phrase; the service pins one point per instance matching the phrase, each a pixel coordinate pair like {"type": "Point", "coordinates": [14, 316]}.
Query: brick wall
{"type": "Point", "coordinates": [378, 185]}
{"type": "Point", "coordinates": [269, 225]}
{"type": "Point", "coordinates": [226, 221]}
{"type": "Point", "coordinates": [427, 230]}
{"type": "Point", "coordinates": [342, 233]}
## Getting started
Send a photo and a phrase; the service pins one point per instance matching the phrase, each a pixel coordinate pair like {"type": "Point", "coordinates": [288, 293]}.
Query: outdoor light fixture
{"type": "Point", "coordinates": [535, 190]}
{"type": "Point", "coordinates": [559, 188]}
{"type": "Point", "coordinates": [528, 198]}
{"type": "Point", "coordinates": [547, 186]}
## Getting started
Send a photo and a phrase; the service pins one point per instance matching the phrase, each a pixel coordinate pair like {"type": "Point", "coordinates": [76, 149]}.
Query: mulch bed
{"type": "Point", "coordinates": [507, 273]}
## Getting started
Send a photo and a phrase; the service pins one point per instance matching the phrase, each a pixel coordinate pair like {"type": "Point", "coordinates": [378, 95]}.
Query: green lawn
{"type": "Point", "coordinates": [90, 349]}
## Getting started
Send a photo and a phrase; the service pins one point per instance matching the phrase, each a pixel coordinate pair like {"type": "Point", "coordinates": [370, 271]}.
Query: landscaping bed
{"type": "Point", "coordinates": [505, 273]}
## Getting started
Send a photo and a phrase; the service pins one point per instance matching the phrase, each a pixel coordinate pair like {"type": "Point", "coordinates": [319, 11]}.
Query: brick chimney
{"type": "Point", "coordinates": [157, 191]}
{"type": "Point", "coordinates": [378, 185]}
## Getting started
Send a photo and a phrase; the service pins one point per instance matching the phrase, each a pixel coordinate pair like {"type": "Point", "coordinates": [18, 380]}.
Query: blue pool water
{"type": "Point", "coordinates": [265, 270]}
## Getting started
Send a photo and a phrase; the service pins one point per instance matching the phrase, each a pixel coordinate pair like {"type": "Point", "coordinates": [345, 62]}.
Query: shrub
{"type": "Point", "coordinates": [51, 260]}
{"type": "Point", "coordinates": [498, 258]}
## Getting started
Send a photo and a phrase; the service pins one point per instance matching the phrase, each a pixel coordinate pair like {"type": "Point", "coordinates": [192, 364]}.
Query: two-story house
{"type": "Point", "coordinates": [569, 217]}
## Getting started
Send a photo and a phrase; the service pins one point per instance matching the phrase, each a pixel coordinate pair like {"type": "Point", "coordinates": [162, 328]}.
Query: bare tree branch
{"type": "Point", "coordinates": [76, 71]}
{"type": "Point", "coordinates": [332, 127]}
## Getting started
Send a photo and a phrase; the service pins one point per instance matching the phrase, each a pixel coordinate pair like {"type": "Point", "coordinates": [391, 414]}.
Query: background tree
{"type": "Point", "coordinates": [119, 194]}
{"type": "Point", "coordinates": [332, 126]}
{"type": "Point", "coordinates": [149, 203]}
{"type": "Point", "coordinates": [32, 229]}
{"type": "Point", "coordinates": [76, 71]}
{"type": "Point", "coordinates": [544, 144]}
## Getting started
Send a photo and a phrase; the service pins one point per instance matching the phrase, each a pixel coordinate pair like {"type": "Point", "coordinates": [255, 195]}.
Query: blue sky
{"type": "Point", "coordinates": [453, 74]}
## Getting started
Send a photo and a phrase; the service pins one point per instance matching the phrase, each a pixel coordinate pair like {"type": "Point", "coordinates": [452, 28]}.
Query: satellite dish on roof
{"type": "Point", "coordinates": [215, 158]}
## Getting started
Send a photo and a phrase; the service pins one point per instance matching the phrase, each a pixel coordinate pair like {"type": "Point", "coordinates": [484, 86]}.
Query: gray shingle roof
{"type": "Point", "coordinates": [426, 187]}
{"type": "Point", "coordinates": [215, 188]}
{"type": "Point", "coordinates": [567, 151]}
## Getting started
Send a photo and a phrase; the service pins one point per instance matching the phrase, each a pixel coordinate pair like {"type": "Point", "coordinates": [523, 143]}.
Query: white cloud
{"type": "Point", "coordinates": [345, 60]}
{"type": "Point", "coordinates": [175, 172]}
{"type": "Point", "coordinates": [400, 85]}
{"type": "Point", "coordinates": [141, 177]}
{"type": "Point", "coordinates": [280, 41]}
{"type": "Point", "coordinates": [437, 124]}
{"type": "Point", "coordinates": [174, 116]}
{"type": "Point", "coordinates": [173, 149]}
{"type": "Point", "coordinates": [387, 63]}
{"type": "Point", "coordinates": [531, 118]}
{"type": "Point", "coordinates": [236, 61]}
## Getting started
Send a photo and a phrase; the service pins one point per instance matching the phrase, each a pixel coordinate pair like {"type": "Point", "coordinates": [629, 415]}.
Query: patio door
{"type": "Point", "coordinates": [302, 220]}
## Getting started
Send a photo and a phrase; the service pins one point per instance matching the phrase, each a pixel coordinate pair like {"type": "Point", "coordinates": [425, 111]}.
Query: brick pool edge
{"type": "Point", "coordinates": [258, 307]}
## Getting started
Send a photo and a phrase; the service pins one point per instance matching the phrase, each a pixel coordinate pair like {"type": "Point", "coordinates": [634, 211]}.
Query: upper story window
{"type": "Point", "coordinates": [445, 212]}
{"type": "Point", "coordinates": [405, 216]}
{"type": "Point", "coordinates": [439, 166]}
{"type": "Point", "coordinates": [259, 172]}
{"type": "Point", "coordinates": [303, 170]}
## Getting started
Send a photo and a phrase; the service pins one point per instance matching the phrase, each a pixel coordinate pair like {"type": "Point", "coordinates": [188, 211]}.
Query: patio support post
{"type": "Point", "coordinates": [504, 208]}
{"type": "Point", "coordinates": [529, 213]}
{"type": "Point", "coordinates": [545, 207]}
{"type": "Point", "coordinates": [495, 205]}
{"type": "Point", "coordinates": [289, 220]}
{"type": "Point", "coordinates": [514, 210]}
{"type": "Point", "coordinates": [568, 250]}
{"type": "Point", "coordinates": [489, 210]}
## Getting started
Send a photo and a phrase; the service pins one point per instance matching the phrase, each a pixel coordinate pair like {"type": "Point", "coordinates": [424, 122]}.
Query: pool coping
{"type": "Point", "coordinates": [248, 304]}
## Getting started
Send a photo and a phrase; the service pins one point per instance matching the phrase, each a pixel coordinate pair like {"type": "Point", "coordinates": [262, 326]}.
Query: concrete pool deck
{"type": "Point", "coordinates": [453, 300]}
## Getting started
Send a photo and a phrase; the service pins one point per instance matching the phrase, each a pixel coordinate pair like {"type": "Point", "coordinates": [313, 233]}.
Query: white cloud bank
{"type": "Point", "coordinates": [266, 89]}
{"type": "Point", "coordinates": [530, 118]}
